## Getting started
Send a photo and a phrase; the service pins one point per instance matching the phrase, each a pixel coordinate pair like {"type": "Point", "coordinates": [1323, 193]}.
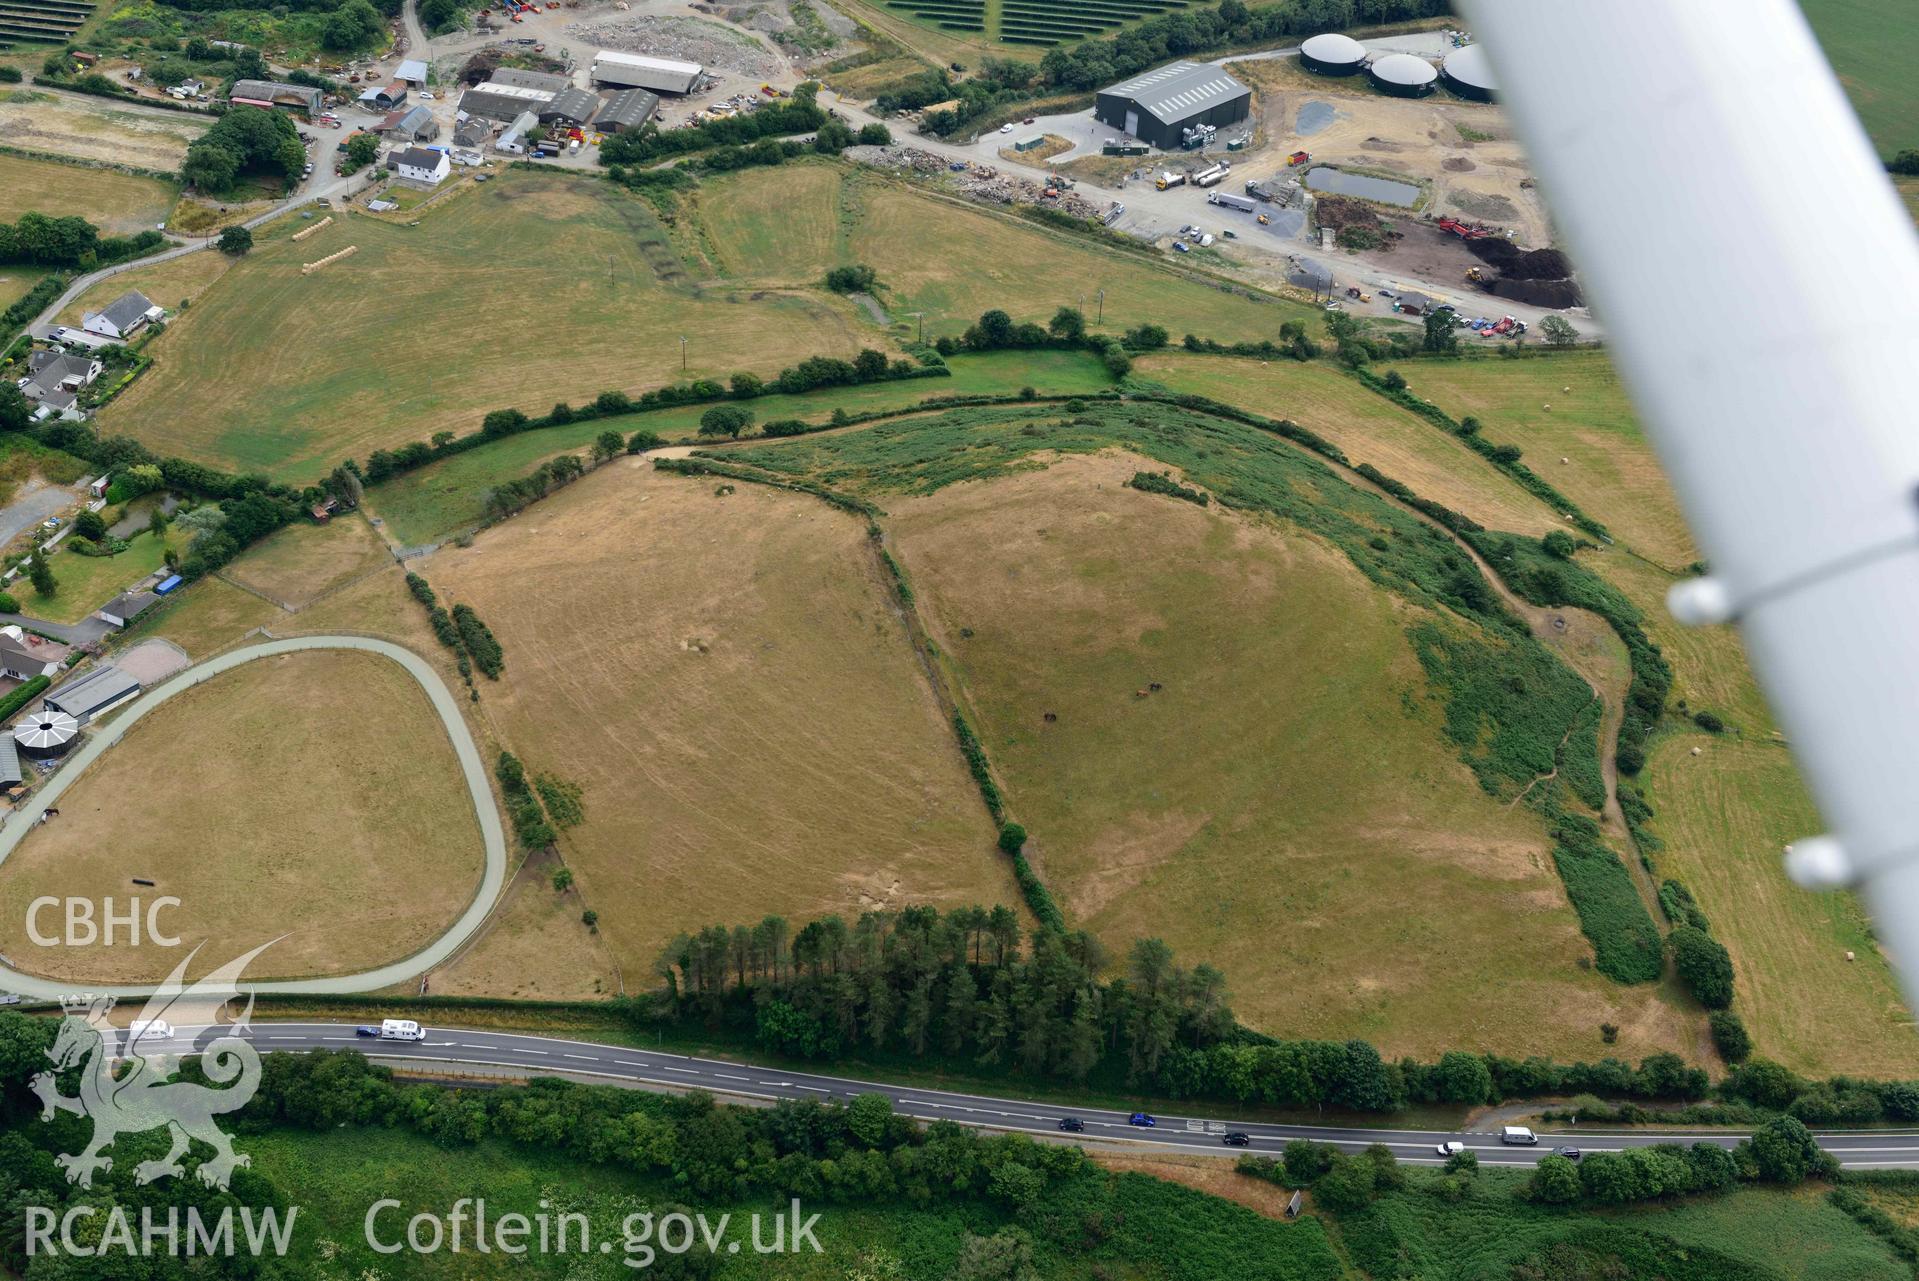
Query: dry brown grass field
{"type": "Point", "coordinates": [1285, 807]}
{"type": "Point", "coordinates": [1367, 426]}
{"type": "Point", "coordinates": [1609, 466]}
{"type": "Point", "coordinates": [287, 374]}
{"type": "Point", "coordinates": [168, 283]}
{"type": "Point", "coordinates": [534, 947]}
{"type": "Point", "coordinates": [118, 203]}
{"type": "Point", "coordinates": [726, 680]}
{"type": "Point", "coordinates": [98, 130]}
{"type": "Point", "coordinates": [310, 795]}
{"type": "Point", "coordinates": [1726, 815]}
{"type": "Point", "coordinates": [304, 561]}
{"type": "Point", "coordinates": [207, 617]}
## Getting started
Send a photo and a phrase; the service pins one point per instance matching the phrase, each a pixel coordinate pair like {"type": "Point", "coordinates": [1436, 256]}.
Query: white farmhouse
{"type": "Point", "coordinates": [422, 165]}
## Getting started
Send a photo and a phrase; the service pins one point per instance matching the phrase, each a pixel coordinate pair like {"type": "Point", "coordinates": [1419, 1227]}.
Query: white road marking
{"type": "Point", "coordinates": [727, 1076]}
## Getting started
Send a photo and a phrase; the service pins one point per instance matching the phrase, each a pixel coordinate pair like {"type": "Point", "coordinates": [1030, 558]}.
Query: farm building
{"type": "Point", "coordinates": [1156, 106]}
{"type": "Point", "coordinates": [512, 139]}
{"type": "Point", "coordinates": [275, 93]}
{"type": "Point", "coordinates": [410, 124]}
{"type": "Point", "coordinates": [1468, 73]}
{"type": "Point", "coordinates": [126, 607]}
{"type": "Point", "coordinates": [635, 71]}
{"type": "Point", "coordinates": [122, 317]}
{"type": "Point", "coordinates": [11, 775]}
{"type": "Point", "coordinates": [95, 694]}
{"type": "Point", "coordinates": [627, 109]}
{"type": "Point", "coordinates": [385, 97]}
{"type": "Point", "coordinates": [520, 78]}
{"type": "Point", "coordinates": [1333, 55]}
{"type": "Point", "coordinates": [421, 164]}
{"type": "Point", "coordinates": [503, 102]}
{"type": "Point", "coordinates": [472, 133]}
{"type": "Point", "coordinates": [1403, 75]}
{"type": "Point", "coordinates": [569, 107]}
{"type": "Point", "coordinates": [45, 734]}
{"type": "Point", "coordinates": [413, 72]}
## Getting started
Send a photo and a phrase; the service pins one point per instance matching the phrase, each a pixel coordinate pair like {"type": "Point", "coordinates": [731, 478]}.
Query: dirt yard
{"type": "Point", "coordinates": [310, 795]}
{"type": "Point", "coordinates": [1466, 150]}
{"type": "Point", "coordinates": [725, 679]}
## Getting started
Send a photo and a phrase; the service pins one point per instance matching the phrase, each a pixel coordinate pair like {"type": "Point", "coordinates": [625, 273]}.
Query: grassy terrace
{"type": "Point", "coordinates": [451, 494]}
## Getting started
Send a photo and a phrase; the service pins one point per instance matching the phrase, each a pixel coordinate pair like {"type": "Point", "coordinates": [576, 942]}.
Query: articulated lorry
{"type": "Point", "coordinates": [1245, 204]}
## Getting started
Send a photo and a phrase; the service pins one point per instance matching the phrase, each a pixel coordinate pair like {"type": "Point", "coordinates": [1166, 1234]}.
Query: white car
{"type": "Point", "coordinates": [1006, 128]}
{"type": "Point", "coordinates": [1451, 1147]}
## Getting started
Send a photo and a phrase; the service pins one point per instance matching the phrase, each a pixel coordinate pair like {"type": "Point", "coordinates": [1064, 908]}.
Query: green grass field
{"type": "Point", "coordinates": [954, 262]}
{"type": "Point", "coordinates": [780, 225]}
{"type": "Point", "coordinates": [1754, 1233]}
{"type": "Point", "coordinates": [449, 495]}
{"type": "Point", "coordinates": [17, 282]}
{"type": "Point", "coordinates": [117, 203]}
{"type": "Point", "coordinates": [482, 306]}
{"type": "Point", "coordinates": [1367, 426]}
{"type": "Point", "coordinates": [1285, 804]}
{"type": "Point", "coordinates": [1143, 1227]}
{"type": "Point", "coordinates": [1874, 46]}
{"type": "Point", "coordinates": [88, 582]}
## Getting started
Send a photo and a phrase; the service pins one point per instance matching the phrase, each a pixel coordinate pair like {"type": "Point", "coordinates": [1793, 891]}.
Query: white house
{"type": "Point", "coordinates": [49, 372]}
{"type": "Point", "coordinates": [421, 164]}
{"type": "Point", "coordinates": [23, 657]}
{"type": "Point", "coordinates": [123, 316]}
{"type": "Point", "coordinates": [126, 607]}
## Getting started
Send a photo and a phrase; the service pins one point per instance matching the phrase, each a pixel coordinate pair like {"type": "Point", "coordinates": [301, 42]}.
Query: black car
{"type": "Point", "coordinates": [1237, 1139]}
{"type": "Point", "coordinates": [364, 1030]}
{"type": "Point", "coordinates": [1571, 1154]}
{"type": "Point", "coordinates": [1072, 1124]}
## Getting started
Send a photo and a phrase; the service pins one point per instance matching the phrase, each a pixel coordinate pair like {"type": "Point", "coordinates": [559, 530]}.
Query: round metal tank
{"type": "Point", "coordinates": [1468, 73]}
{"type": "Point", "coordinates": [1333, 55]}
{"type": "Point", "coordinates": [46, 733]}
{"type": "Point", "coordinates": [1404, 75]}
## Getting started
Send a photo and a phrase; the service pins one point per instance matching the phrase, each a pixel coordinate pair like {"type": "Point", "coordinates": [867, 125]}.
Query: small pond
{"type": "Point", "coordinates": [1341, 183]}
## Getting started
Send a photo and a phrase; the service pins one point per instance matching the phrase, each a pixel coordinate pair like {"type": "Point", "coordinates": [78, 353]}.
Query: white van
{"type": "Point", "coordinates": [401, 1030]}
{"type": "Point", "coordinates": [148, 1030]}
{"type": "Point", "coordinates": [1518, 1135]}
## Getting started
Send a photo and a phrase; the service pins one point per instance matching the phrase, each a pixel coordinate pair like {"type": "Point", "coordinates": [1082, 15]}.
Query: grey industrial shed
{"type": "Point", "coordinates": [627, 109]}
{"type": "Point", "coordinates": [518, 78]}
{"type": "Point", "coordinates": [570, 106]}
{"type": "Point", "coordinates": [1156, 106]}
{"type": "Point", "coordinates": [502, 102]}
{"type": "Point", "coordinates": [96, 692]}
{"type": "Point", "coordinates": [10, 772]}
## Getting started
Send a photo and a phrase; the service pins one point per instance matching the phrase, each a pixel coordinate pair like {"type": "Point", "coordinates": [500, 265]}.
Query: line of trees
{"type": "Point", "coordinates": [43, 240]}
{"type": "Point", "coordinates": [966, 986]}
{"type": "Point", "coordinates": [809, 375]}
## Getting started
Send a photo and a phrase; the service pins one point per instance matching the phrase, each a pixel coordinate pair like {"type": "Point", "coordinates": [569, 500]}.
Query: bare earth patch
{"type": "Point", "coordinates": [308, 795]}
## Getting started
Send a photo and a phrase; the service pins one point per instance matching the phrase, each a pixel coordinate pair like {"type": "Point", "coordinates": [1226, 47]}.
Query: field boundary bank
{"type": "Point", "coordinates": [109, 166]}
{"type": "Point", "coordinates": [16, 825]}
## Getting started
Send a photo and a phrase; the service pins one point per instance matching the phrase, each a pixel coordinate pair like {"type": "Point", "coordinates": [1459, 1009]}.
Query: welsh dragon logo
{"type": "Point", "coordinates": [142, 1096]}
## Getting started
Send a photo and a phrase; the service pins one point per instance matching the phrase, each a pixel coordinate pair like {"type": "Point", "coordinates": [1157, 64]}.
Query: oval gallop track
{"type": "Point", "coordinates": [472, 768]}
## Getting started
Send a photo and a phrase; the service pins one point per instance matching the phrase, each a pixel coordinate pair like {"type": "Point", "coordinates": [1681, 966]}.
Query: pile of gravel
{"type": "Point", "coordinates": [687, 39]}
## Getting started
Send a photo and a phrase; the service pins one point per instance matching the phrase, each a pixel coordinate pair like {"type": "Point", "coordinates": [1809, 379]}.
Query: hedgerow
{"type": "Point", "coordinates": [1626, 944]}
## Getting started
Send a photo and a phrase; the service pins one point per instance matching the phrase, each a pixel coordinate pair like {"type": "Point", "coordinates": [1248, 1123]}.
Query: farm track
{"type": "Point", "coordinates": [473, 769]}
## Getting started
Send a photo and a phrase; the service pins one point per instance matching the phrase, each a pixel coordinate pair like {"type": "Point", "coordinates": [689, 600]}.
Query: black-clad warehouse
{"type": "Point", "coordinates": [1156, 106]}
